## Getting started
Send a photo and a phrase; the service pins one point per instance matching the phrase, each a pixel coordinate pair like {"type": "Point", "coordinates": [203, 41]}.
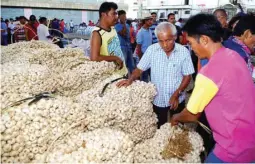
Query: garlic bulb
{"type": "Point", "coordinates": [100, 145]}
{"type": "Point", "coordinates": [150, 150]}
{"type": "Point", "coordinates": [128, 109]}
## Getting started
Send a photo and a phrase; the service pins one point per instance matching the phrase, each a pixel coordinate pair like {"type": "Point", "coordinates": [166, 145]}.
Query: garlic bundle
{"type": "Point", "coordinates": [28, 130]}
{"type": "Point", "coordinates": [128, 109]}
{"type": "Point", "coordinates": [97, 146]}
{"type": "Point", "coordinates": [150, 150]}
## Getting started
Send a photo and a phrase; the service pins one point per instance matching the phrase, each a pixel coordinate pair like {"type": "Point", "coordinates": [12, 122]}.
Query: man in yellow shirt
{"type": "Point", "coordinates": [105, 44]}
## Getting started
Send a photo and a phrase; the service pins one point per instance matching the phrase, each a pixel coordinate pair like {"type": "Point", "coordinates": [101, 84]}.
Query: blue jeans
{"type": "Point", "coordinates": [212, 158]}
{"type": "Point", "coordinates": [129, 61]}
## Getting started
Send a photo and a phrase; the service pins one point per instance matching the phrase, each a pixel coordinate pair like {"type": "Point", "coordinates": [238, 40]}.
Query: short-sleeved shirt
{"type": "Point", "coordinates": [225, 90]}
{"type": "Point", "coordinates": [144, 38]}
{"type": "Point", "coordinates": [152, 28]}
{"type": "Point", "coordinates": [166, 72]}
{"type": "Point", "coordinates": [43, 32]}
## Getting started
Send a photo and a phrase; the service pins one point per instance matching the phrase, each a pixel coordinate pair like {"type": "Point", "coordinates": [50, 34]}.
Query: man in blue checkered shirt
{"type": "Point", "coordinates": [171, 69]}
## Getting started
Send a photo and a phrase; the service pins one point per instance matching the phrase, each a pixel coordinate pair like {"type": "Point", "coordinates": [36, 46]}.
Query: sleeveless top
{"type": "Point", "coordinates": [110, 45]}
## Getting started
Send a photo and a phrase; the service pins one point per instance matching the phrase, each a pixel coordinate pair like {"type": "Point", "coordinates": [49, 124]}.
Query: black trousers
{"type": "Point", "coordinates": [162, 112]}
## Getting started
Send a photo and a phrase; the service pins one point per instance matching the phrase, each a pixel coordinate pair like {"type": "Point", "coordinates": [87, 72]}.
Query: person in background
{"type": "Point", "coordinates": [222, 17]}
{"type": "Point", "coordinates": [171, 19]}
{"type": "Point", "coordinates": [144, 40]}
{"type": "Point", "coordinates": [19, 31]}
{"type": "Point", "coordinates": [62, 25]}
{"type": "Point", "coordinates": [90, 23]}
{"type": "Point", "coordinates": [179, 23]}
{"type": "Point", "coordinates": [224, 90]}
{"type": "Point", "coordinates": [132, 35]}
{"type": "Point", "coordinates": [122, 29]}
{"type": "Point", "coordinates": [134, 24]}
{"type": "Point", "coordinates": [243, 39]}
{"type": "Point", "coordinates": [71, 24]}
{"type": "Point", "coordinates": [43, 31]}
{"type": "Point", "coordinates": [31, 29]}
{"type": "Point", "coordinates": [171, 69]}
{"type": "Point", "coordinates": [234, 20]}
{"type": "Point", "coordinates": [104, 42]}
{"type": "Point", "coordinates": [4, 33]}
{"type": "Point", "coordinates": [153, 26]}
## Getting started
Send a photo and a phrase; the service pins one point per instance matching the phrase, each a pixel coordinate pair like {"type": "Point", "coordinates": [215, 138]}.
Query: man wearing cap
{"type": "Point", "coordinates": [171, 70]}
{"type": "Point", "coordinates": [144, 40]}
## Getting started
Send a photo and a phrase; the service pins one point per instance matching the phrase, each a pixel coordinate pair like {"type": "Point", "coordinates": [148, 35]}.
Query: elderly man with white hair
{"type": "Point", "coordinates": [171, 69]}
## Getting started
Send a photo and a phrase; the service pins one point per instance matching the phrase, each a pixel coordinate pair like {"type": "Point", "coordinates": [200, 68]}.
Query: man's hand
{"type": "Point", "coordinates": [174, 120]}
{"type": "Point", "coordinates": [119, 63]}
{"type": "Point", "coordinates": [174, 101]}
{"type": "Point", "coordinates": [124, 83]}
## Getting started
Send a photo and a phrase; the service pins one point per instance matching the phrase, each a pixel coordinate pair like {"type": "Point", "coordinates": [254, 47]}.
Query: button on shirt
{"type": "Point", "coordinates": [144, 37]}
{"type": "Point", "coordinates": [167, 72]}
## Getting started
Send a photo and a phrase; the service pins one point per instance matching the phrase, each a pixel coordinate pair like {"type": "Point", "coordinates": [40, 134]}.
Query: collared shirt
{"type": "Point", "coordinates": [144, 38]}
{"type": "Point", "coordinates": [166, 72]}
{"type": "Point", "coordinates": [152, 28]}
{"type": "Point", "coordinates": [225, 91]}
{"type": "Point", "coordinates": [124, 40]}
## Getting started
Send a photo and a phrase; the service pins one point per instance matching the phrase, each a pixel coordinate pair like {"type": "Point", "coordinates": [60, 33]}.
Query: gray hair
{"type": "Point", "coordinates": [164, 26]}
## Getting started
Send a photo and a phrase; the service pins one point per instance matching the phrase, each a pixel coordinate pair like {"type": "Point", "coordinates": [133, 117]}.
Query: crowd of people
{"type": "Point", "coordinates": [23, 29]}
{"type": "Point", "coordinates": [218, 56]}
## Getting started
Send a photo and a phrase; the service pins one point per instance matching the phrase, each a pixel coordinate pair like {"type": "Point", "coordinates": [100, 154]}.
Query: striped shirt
{"type": "Point", "coordinates": [152, 28]}
{"type": "Point", "coordinates": [166, 72]}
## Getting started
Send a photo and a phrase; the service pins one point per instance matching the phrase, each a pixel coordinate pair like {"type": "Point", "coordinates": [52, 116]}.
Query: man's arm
{"type": "Point", "coordinates": [184, 116]}
{"type": "Point", "coordinates": [26, 33]}
{"type": "Point", "coordinates": [95, 49]}
{"type": "Point", "coordinates": [135, 75]}
{"type": "Point", "coordinates": [203, 93]}
{"type": "Point", "coordinates": [123, 29]}
{"type": "Point", "coordinates": [139, 50]}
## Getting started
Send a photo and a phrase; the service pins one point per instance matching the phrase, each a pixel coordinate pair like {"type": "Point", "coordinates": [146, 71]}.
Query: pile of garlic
{"type": "Point", "coordinates": [23, 49]}
{"type": "Point", "coordinates": [20, 80]}
{"type": "Point", "coordinates": [97, 146]}
{"type": "Point", "coordinates": [64, 70]}
{"type": "Point", "coordinates": [127, 108]}
{"type": "Point", "coordinates": [27, 131]}
{"type": "Point", "coordinates": [150, 150]}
